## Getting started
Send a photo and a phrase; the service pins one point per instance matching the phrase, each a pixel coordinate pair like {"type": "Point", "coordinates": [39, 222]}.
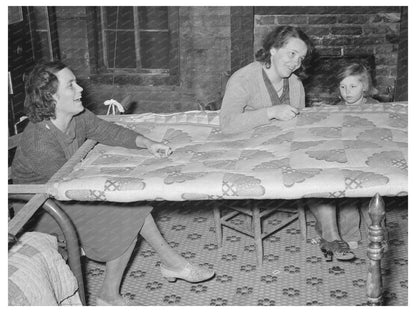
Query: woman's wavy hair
{"type": "Point", "coordinates": [278, 38]}
{"type": "Point", "coordinates": [363, 74]}
{"type": "Point", "coordinates": [40, 85]}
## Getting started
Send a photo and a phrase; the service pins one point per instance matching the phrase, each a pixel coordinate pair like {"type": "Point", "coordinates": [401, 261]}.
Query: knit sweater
{"type": "Point", "coordinates": [44, 149]}
{"type": "Point", "coordinates": [246, 99]}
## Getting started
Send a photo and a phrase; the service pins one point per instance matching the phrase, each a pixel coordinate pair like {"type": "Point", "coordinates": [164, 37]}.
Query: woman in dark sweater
{"type": "Point", "coordinates": [58, 126]}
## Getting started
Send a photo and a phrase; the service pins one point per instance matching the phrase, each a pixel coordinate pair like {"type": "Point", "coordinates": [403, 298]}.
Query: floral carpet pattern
{"type": "Point", "coordinates": [294, 272]}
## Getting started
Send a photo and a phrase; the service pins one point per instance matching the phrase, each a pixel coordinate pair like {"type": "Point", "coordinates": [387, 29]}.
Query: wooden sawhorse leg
{"type": "Point", "coordinates": [258, 235]}
{"type": "Point", "coordinates": [218, 226]}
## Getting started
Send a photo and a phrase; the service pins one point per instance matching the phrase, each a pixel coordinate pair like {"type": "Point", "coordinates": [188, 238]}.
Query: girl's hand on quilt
{"type": "Point", "coordinates": [282, 112]}
{"type": "Point", "coordinates": [160, 150]}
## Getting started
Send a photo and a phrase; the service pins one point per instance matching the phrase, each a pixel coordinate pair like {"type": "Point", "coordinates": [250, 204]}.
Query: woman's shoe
{"type": "Point", "coordinates": [337, 248]}
{"type": "Point", "coordinates": [190, 273]}
{"type": "Point", "coordinates": [123, 301]}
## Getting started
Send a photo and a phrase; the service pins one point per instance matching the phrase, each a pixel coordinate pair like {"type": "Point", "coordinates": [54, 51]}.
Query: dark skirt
{"type": "Point", "coordinates": [105, 229]}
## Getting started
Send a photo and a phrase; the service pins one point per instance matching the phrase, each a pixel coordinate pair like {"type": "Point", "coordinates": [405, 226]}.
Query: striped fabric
{"type": "Point", "coordinates": [37, 273]}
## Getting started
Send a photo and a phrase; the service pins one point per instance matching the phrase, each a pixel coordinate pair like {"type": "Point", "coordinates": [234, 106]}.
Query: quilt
{"type": "Point", "coordinates": [325, 152]}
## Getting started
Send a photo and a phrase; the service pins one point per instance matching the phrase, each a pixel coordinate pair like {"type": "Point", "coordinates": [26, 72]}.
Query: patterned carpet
{"type": "Point", "coordinates": [294, 272]}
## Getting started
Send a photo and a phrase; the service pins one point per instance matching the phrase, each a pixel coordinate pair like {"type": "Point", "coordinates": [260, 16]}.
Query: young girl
{"type": "Point", "coordinates": [355, 86]}
{"type": "Point", "coordinates": [338, 222]}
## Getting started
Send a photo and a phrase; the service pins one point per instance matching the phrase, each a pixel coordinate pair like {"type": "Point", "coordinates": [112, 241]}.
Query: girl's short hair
{"type": "Point", "coordinates": [278, 38]}
{"type": "Point", "coordinates": [40, 86]}
{"type": "Point", "coordinates": [363, 74]}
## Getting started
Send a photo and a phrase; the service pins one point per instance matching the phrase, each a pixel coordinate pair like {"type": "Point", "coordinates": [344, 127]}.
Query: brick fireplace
{"type": "Point", "coordinates": [320, 85]}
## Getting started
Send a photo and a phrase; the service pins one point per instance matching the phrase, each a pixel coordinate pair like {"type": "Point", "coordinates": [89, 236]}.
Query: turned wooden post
{"type": "Point", "coordinates": [375, 251]}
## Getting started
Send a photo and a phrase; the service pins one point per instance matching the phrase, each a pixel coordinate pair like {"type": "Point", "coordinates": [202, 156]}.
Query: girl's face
{"type": "Point", "coordinates": [352, 90]}
{"type": "Point", "coordinates": [68, 95]}
{"type": "Point", "coordinates": [289, 57]}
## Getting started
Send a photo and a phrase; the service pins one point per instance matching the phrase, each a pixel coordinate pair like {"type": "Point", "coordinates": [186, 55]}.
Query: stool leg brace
{"type": "Point", "coordinates": [256, 231]}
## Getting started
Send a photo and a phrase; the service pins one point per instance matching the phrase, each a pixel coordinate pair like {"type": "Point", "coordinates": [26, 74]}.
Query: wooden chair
{"type": "Point", "coordinates": [256, 213]}
{"type": "Point", "coordinates": [53, 209]}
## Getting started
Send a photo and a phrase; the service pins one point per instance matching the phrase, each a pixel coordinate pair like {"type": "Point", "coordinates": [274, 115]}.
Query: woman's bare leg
{"type": "Point", "coordinates": [110, 289]}
{"type": "Point", "coordinates": [114, 270]}
{"type": "Point", "coordinates": [152, 235]}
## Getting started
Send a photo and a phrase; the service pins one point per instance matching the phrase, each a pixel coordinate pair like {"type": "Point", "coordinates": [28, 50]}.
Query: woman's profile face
{"type": "Point", "coordinates": [68, 95]}
{"type": "Point", "coordinates": [289, 57]}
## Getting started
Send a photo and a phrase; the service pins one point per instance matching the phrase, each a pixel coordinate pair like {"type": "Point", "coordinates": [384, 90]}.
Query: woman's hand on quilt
{"type": "Point", "coordinates": [160, 150]}
{"type": "Point", "coordinates": [282, 112]}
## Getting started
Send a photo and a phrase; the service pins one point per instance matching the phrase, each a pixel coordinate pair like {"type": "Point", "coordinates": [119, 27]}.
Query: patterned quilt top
{"type": "Point", "coordinates": [329, 152]}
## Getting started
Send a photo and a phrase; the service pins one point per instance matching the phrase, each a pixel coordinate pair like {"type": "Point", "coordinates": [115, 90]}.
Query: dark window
{"type": "Point", "coordinates": [136, 39]}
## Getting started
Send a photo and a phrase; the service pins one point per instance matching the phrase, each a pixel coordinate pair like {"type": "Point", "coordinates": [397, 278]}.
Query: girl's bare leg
{"type": "Point", "coordinates": [325, 214]}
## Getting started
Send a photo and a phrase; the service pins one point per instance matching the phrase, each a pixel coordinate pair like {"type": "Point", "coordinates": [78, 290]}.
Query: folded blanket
{"type": "Point", "coordinates": [37, 273]}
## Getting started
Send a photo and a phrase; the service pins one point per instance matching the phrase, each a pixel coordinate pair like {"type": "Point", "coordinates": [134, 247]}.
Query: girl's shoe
{"type": "Point", "coordinates": [123, 301]}
{"type": "Point", "coordinates": [337, 248]}
{"type": "Point", "coordinates": [190, 273]}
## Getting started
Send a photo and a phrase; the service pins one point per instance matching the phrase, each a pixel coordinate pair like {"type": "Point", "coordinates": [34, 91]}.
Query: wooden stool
{"type": "Point", "coordinates": [254, 211]}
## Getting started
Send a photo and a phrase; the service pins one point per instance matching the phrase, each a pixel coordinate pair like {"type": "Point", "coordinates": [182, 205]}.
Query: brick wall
{"type": "Point", "coordinates": [339, 34]}
{"type": "Point", "coordinates": [205, 51]}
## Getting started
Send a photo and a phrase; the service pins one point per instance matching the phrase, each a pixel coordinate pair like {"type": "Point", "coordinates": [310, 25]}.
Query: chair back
{"type": "Point", "coordinates": [14, 141]}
